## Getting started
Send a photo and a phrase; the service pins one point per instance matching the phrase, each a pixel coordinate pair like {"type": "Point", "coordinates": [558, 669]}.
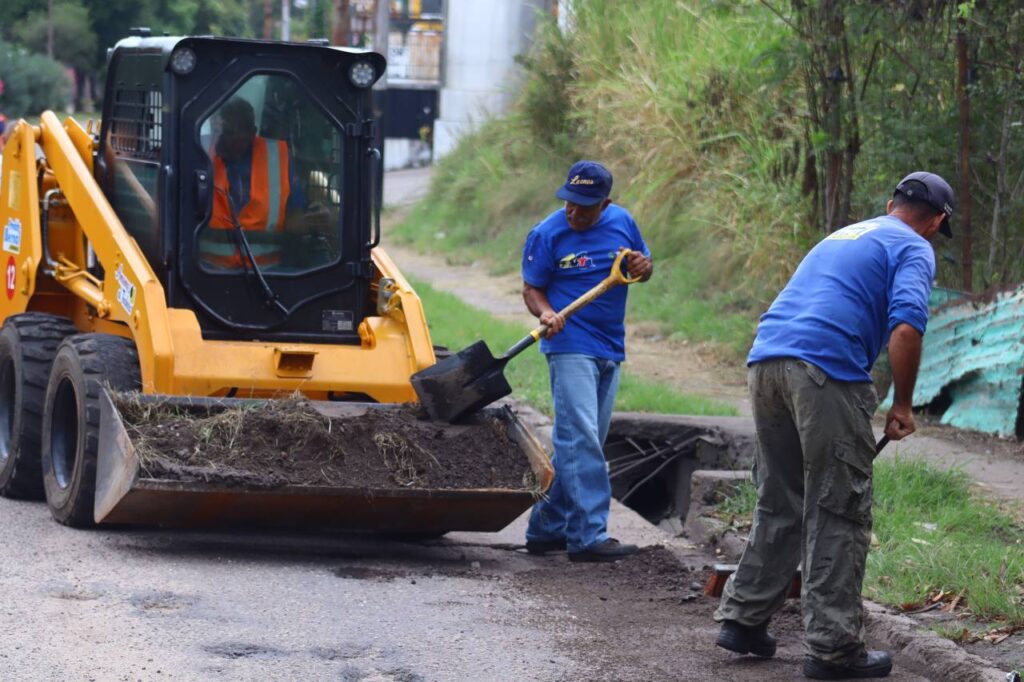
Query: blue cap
{"type": "Point", "coordinates": [588, 183]}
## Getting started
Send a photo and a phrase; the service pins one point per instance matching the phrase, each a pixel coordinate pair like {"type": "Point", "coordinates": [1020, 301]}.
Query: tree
{"type": "Point", "coordinates": [32, 82]}
{"type": "Point", "coordinates": [74, 42]}
{"type": "Point", "coordinates": [318, 19]}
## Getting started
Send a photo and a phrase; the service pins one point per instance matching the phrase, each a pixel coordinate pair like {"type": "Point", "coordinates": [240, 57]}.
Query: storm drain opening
{"type": "Point", "coordinates": [651, 460]}
{"type": "Point", "coordinates": [651, 477]}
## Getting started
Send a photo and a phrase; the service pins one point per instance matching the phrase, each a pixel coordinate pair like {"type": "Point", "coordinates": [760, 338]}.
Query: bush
{"type": "Point", "coordinates": [33, 83]}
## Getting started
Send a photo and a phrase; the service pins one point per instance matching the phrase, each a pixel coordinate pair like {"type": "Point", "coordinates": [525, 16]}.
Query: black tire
{"type": "Point", "coordinates": [84, 364]}
{"type": "Point", "coordinates": [28, 344]}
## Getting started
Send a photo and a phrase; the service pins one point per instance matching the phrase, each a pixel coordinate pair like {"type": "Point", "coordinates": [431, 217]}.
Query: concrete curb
{"type": "Point", "coordinates": [923, 651]}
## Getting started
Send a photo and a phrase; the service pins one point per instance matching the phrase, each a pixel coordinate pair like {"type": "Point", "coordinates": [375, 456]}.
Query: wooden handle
{"type": "Point", "coordinates": [614, 278]}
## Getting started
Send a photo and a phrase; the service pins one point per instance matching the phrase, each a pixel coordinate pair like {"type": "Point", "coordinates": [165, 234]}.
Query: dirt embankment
{"type": "Point", "coordinates": [288, 442]}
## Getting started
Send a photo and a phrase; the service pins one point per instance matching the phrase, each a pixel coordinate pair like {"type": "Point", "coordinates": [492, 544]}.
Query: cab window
{"type": "Point", "coordinates": [276, 163]}
{"type": "Point", "coordinates": [133, 148]}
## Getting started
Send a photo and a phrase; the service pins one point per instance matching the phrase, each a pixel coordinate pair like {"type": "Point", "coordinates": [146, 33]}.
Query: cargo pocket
{"type": "Point", "coordinates": [846, 486]}
{"type": "Point", "coordinates": [865, 399]}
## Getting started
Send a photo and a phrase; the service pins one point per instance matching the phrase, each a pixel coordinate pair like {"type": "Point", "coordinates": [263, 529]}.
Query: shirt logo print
{"type": "Point", "coordinates": [576, 261]}
{"type": "Point", "coordinates": [852, 232]}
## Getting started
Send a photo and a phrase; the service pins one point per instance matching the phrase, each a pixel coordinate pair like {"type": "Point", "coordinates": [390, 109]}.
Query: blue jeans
{"type": "Point", "coordinates": [583, 390]}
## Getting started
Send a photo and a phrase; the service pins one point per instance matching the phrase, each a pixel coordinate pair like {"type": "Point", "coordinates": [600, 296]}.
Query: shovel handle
{"type": "Point", "coordinates": [614, 278]}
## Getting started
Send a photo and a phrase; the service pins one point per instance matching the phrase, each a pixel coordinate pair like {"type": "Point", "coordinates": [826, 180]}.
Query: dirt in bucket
{"type": "Point", "coordinates": [288, 442]}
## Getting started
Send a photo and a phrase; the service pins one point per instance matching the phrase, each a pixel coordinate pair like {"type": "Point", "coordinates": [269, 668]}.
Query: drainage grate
{"type": "Point", "coordinates": [652, 477]}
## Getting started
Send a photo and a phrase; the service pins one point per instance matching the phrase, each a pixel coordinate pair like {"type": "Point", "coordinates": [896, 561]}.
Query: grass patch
{"type": "Point", "coordinates": [456, 324]}
{"type": "Point", "coordinates": [937, 540]}
{"type": "Point", "coordinates": [938, 537]}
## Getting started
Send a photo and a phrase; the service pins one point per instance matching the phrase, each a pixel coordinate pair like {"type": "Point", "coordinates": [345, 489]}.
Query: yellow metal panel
{"type": "Point", "coordinates": [421, 350]}
{"type": "Point", "coordinates": [19, 220]}
{"type": "Point", "coordinates": [211, 367]}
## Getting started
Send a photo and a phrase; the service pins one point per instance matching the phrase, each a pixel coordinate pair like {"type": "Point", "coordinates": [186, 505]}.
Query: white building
{"type": "Point", "coordinates": [479, 73]}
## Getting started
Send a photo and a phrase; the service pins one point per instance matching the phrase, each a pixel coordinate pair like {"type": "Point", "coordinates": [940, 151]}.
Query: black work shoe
{"type": "Point", "coordinates": [871, 664]}
{"type": "Point", "coordinates": [545, 546]}
{"type": "Point", "coordinates": [609, 550]}
{"type": "Point", "coordinates": [746, 640]}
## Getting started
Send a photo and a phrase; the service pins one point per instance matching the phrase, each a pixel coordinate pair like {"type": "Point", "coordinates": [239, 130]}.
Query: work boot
{"type": "Point", "coordinates": [870, 664]}
{"type": "Point", "coordinates": [609, 550]}
{"type": "Point", "coordinates": [746, 640]}
{"type": "Point", "coordinates": [545, 546]}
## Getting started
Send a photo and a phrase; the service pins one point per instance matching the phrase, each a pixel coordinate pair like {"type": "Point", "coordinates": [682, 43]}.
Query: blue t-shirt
{"type": "Point", "coordinates": [848, 294]}
{"type": "Point", "coordinates": [566, 264]}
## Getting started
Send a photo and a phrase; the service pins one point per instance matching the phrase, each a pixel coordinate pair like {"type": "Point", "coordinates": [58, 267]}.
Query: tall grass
{"type": "Point", "coordinates": [682, 102]}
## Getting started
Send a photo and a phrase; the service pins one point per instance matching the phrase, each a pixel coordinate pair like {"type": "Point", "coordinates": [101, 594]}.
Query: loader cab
{"type": "Point", "coordinates": [246, 172]}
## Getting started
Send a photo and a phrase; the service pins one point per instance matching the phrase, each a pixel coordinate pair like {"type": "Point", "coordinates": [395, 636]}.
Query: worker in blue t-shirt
{"type": "Point", "coordinates": [810, 386]}
{"type": "Point", "coordinates": [565, 255]}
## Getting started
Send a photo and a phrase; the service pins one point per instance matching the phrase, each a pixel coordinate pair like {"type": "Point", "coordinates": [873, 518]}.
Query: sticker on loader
{"type": "Point", "coordinates": [125, 290]}
{"type": "Point", "coordinates": [11, 276]}
{"type": "Point", "coordinates": [12, 236]}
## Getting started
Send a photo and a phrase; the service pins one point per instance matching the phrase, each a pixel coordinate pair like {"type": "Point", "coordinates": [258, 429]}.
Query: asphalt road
{"type": "Point", "coordinates": [151, 605]}
{"type": "Point", "coordinates": [138, 604]}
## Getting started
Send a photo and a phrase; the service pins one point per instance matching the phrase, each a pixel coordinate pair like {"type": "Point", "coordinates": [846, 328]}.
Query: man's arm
{"type": "Point", "coordinates": [904, 357]}
{"type": "Point", "coordinates": [537, 303]}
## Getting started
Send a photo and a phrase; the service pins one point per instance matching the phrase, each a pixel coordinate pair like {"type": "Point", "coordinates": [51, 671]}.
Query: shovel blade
{"type": "Point", "coordinates": [461, 383]}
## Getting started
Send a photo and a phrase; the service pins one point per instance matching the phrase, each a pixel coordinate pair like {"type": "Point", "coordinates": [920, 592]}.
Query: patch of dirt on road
{"type": "Point", "coordinates": [646, 618]}
{"type": "Point", "coordinates": [288, 442]}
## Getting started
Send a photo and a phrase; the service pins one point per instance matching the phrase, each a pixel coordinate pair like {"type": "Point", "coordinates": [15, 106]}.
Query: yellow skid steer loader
{"type": "Point", "coordinates": [214, 238]}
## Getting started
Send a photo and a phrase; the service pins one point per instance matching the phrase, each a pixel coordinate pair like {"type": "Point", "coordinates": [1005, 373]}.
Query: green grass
{"type": "Point", "coordinates": [936, 535]}
{"type": "Point", "coordinates": [456, 324]}
{"type": "Point", "coordinates": [975, 547]}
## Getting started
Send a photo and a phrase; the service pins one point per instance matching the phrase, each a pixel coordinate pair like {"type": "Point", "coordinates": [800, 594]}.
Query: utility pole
{"type": "Point", "coordinates": [381, 28]}
{"type": "Point", "coordinates": [965, 158]}
{"type": "Point", "coordinates": [286, 20]}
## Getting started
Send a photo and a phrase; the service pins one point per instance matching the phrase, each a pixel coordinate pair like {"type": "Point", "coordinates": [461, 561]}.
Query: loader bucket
{"type": "Point", "coordinates": [125, 495]}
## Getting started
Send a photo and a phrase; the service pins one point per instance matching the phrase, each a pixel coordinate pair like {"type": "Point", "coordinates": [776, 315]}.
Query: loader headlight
{"type": "Point", "coordinates": [361, 74]}
{"type": "Point", "coordinates": [183, 60]}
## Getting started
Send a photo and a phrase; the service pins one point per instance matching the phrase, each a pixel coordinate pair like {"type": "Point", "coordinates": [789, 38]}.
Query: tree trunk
{"type": "Point", "coordinates": [965, 158]}
{"type": "Point", "coordinates": [268, 19]}
{"type": "Point", "coordinates": [834, 134]}
{"type": "Point", "coordinates": [49, 29]}
{"type": "Point", "coordinates": [1000, 194]}
{"type": "Point", "coordinates": [342, 24]}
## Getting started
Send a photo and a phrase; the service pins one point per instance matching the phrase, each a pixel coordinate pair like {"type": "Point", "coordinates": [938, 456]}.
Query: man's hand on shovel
{"type": "Point", "coordinates": [553, 321]}
{"type": "Point", "coordinates": [899, 422]}
{"type": "Point", "coordinates": [638, 266]}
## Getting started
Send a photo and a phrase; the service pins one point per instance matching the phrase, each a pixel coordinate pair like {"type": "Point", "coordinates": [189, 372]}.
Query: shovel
{"type": "Point", "coordinates": [472, 378]}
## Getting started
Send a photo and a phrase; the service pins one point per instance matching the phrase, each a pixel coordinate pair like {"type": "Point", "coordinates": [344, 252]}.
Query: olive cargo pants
{"type": "Point", "coordinates": [813, 465]}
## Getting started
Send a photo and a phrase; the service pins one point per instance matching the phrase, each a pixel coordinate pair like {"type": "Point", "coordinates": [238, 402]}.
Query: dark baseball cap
{"type": "Point", "coordinates": [588, 183]}
{"type": "Point", "coordinates": [934, 191]}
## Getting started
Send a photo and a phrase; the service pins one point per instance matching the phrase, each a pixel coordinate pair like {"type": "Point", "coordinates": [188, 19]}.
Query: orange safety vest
{"type": "Point", "coordinates": [265, 212]}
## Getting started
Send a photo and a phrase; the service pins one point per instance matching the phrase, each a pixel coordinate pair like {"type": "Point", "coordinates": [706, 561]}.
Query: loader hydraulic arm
{"type": "Point", "coordinates": [129, 291]}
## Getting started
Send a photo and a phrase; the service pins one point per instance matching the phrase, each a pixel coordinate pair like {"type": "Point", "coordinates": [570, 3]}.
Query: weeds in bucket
{"type": "Point", "coordinates": [398, 455]}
